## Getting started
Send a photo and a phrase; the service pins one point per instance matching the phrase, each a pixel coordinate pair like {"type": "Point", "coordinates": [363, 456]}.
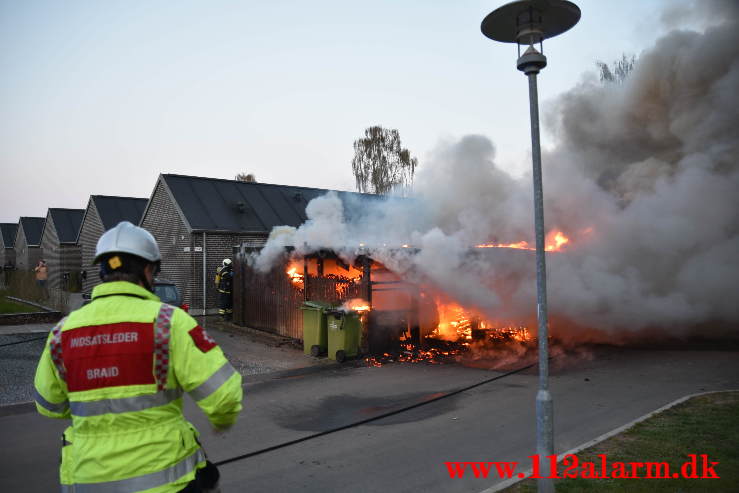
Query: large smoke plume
{"type": "Point", "coordinates": [644, 180]}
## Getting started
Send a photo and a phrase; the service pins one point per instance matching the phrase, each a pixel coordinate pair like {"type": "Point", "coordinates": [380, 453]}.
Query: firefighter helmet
{"type": "Point", "coordinates": [127, 238]}
{"type": "Point", "coordinates": [226, 261]}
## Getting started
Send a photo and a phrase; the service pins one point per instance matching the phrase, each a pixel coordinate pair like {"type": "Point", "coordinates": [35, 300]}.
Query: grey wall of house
{"type": "Point", "coordinates": [33, 256]}
{"type": "Point", "coordinates": [51, 252]}
{"type": "Point", "coordinates": [70, 258]}
{"type": "Point", "coordinates": [7, 254]}
{"type": "Point", "coordinates": [219, 247]}
{"type": "Point", "coordinates": [90, 232]}
{"type": "Point", "coordinates": [222, 246]}
{"type": "Point", "coordinates": [175, 242]}
{"type": "Point", "coordinates": [21, 250]}
{"type": "Point", "coordinates": [26, 257]}
{"type": "Point", "coordinates": [60, 259]}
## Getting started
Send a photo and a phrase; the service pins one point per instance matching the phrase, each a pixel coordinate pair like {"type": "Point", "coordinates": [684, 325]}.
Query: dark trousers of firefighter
{"type": "Point", "coordinates": [225, 304]}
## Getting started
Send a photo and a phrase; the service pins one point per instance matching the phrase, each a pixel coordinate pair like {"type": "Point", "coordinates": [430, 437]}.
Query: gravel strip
{"type": "Point", "coordinates": [17, 367]}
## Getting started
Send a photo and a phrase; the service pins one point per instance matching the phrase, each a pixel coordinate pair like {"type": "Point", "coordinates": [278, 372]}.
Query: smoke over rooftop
{"type": "Point", "coordinates": [644, 180]}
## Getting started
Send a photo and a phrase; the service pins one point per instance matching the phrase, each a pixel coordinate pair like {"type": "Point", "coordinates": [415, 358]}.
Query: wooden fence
{"type": "Point", "coordinates": [272, 301]}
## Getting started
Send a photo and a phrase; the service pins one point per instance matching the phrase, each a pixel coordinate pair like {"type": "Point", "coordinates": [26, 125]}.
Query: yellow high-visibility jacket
{"type": "Point", "coordinates": [118, 367]}
{"type": "Point", "coordinates": [218, 275]}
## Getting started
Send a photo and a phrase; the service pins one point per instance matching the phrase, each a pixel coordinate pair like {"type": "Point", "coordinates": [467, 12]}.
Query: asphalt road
{"type": "Point", "coordinates": [405, 452]}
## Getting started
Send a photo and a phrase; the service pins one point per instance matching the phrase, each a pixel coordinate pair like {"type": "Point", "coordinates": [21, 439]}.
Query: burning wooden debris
{"type": "Point", "coordinates": [436, 350]}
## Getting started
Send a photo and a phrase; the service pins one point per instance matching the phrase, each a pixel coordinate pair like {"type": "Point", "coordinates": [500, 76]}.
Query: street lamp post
{"type": "Point", "coordinates": [529, 22]}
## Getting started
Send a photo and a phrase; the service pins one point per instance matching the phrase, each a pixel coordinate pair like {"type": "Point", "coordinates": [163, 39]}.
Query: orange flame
{"type": "Point", "coordinates": [454, 322]}
{"type": "Point", "coordinates": [559, 240]}
{"type": "Point", "coordinates": [296, 277]}
{"type": "Point", "coordinates": [555, 242]}
{"type": "Point", "coordinates": [356, 304]}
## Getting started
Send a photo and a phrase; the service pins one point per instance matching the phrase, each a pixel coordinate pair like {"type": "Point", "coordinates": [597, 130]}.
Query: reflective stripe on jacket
{"type": "Point", "coordinates": [118, 368]}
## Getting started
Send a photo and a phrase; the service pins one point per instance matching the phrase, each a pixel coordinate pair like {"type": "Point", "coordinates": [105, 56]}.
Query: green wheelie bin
{"type": "Point", "coordinates": [344, 329]}
{"type": "Point", "coordinates": [315, 341]}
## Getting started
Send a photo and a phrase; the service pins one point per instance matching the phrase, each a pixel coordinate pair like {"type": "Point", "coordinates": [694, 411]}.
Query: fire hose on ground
{"type": "Point", "coordinates": [387, 414]}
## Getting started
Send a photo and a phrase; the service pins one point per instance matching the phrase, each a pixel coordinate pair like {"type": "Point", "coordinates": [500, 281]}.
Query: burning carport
{"type": "Point", "coordinates": [398, 311]}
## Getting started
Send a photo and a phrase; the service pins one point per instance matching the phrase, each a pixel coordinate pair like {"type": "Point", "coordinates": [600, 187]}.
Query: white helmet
{"type": "Point", "coordinates": [127, 238]}
{"type": "Point", "coordinates": [226, 261]}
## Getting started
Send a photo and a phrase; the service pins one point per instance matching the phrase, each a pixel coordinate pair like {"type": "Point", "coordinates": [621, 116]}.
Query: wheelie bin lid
{"type": "Point", "coordinates": [315, 305]}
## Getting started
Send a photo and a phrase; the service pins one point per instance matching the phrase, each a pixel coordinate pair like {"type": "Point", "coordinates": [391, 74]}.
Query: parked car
{"type": "Point", "coordinates": [168, 293]}
{"type": "Point", "coordinates": [166, 290]}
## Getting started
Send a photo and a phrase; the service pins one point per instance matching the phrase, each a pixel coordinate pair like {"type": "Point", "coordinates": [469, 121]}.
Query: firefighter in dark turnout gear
{"type": "Point", "coordinates": [224, 283]}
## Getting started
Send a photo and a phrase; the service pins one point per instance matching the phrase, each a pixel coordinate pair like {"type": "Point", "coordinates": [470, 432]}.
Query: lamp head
{"type": "Point", "coordinates": [528, 22]}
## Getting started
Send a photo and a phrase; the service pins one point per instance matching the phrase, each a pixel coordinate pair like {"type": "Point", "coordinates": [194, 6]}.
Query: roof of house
{"type": "Point", "coordinates": [217, 205]}
{"type": "Point", "coordinates": [32, 228]}
{"type": "Point", "coordinates": [67, 223]}
{"type": "Point", "coordinates": [113, 210]}
{"type": "Point", "coordinates": [8, 231]}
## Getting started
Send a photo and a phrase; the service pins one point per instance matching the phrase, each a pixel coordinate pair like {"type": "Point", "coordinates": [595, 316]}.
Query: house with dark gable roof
{"type": "Point", "coordinates": [198, 222]}
{"type": "Point", "coordinates": [103, 213]}
{"type": "Point", "coordinates": [28, 242]}
{"type": "Point", "coordinates": [7, 242]}
{"type": "Point", "coordinates": [59, 246]}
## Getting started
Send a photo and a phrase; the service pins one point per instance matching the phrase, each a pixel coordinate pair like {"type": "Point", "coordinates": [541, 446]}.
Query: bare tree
{"type": "Point", "coordinates": [619, 70]}
{"type": "Point", "coordinates": [248, 177]}
{"type": "Point", "coordinates": [381, 164]}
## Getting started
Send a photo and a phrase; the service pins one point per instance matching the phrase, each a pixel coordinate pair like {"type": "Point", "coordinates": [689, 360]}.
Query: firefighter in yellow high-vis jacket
{"type": "Point", "coordinates": [118, 367]}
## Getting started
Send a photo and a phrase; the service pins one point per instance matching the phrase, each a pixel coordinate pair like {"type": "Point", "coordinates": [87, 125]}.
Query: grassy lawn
{"type": "Point", "coordinates": [7, 306]}
{"type": "Point", "coordinates": [706, 424]}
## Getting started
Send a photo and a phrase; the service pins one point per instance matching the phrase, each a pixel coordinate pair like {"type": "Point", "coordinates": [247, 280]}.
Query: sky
{"type": "Point", "coordinates": [99, 98]}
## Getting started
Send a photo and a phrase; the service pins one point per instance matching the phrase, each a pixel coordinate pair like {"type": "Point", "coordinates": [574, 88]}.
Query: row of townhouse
{"type": "Point", "coordinates": [55, 239]}
{"type": "Point", "coordinates": [196, 221]}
